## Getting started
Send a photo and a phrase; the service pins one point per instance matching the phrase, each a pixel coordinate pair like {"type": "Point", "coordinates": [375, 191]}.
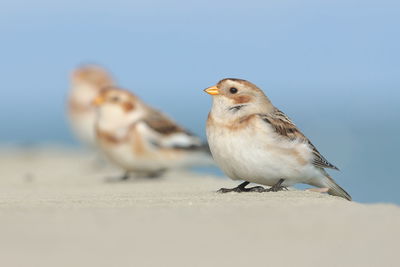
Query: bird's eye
{"type": "Point", "coordinates": [233, 90]}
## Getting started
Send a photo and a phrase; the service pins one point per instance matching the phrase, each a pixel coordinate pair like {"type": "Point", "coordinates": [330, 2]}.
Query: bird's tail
{"type": "Point", "coordinates": [334, 188]}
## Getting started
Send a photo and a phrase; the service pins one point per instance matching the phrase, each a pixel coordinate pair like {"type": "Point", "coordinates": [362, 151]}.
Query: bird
{"type": "Point", "coordinates": [253, 141]}
{"type": "Point", "coordinates": [86, 83]}
{"type": "Point", "coordinates": [142, 140]}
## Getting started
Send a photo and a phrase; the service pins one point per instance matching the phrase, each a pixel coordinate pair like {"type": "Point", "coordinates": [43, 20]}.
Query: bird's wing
{"type": "Point", "coordinates": [287, 129]}
{"type": "Point", "coordinates": [164, 132]}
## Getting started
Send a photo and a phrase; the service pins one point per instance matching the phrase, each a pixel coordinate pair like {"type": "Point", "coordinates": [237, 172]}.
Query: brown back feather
{"type": "Point", "coordinates": [162, 124]}
{"type": "Point", "coordinates": [287, 129]}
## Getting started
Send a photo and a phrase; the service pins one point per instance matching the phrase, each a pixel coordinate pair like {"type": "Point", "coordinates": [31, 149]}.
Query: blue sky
{"type": "Point", "coordinates": [332, 66]}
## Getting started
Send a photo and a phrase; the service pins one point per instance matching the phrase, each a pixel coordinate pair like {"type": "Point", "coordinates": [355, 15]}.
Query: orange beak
{"type": "Point", "coordinates": [98, 101]}
{"type": "Point", "coordinates": [213, 90]}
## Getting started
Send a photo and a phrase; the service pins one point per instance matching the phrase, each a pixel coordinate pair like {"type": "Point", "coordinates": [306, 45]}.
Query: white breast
{"type": "Point", "coordinates": [255, 154]}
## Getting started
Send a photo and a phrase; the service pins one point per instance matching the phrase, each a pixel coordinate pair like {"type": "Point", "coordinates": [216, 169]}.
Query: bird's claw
{"type": "Point", "coordinates": [239, 189]}
{"type": "Point", "coordinates": [258, 189]}
{"type": "Point", "coordinates": [277, 189]}
{"type": "Point", "coordinates": [121, 178]}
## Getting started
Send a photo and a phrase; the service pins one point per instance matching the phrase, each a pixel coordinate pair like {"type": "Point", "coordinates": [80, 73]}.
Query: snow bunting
{"type": "Point", "coordinates": [142, 140]}
{"type": "Point", "coordinates": [252, 140]}
{"type": "Point", "coordinates": [86, 83]}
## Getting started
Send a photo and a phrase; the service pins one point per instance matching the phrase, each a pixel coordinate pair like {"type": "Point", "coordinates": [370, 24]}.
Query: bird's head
{"type": "Point", "coordinates": [91, 75]}
{"type": "Point", "coordinates": [86, 83]}
{"type": "Point", "coordinates": [117, 106]}
{"type": "Point", "coordinates": [236, 97]}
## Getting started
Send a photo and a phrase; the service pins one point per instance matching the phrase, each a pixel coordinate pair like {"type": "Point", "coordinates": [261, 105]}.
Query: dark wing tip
{"type": "Point", "coordinates": [321, 162]}
{"type": "Point", "coordinates": [200, 148]}
{"type": "Point", "coordinates": [335, 168]}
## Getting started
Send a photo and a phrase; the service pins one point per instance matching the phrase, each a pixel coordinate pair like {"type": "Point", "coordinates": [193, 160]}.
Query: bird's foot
{"type": "Point", "coordinates": [277, 187]}
{"type": "Point", "coordinates": [242, 188]}
{"type": "Point", "coordinates": [124, 177]}
{"type": "Point", "coordinates": [155, 174]}
{"type": "Point", "coordinates": [258, 189]}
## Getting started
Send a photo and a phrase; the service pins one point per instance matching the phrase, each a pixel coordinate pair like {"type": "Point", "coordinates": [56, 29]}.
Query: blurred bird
{"type": "Point", "coordinates": [86, 84]}
{"type": "Point", "coordinates": [142, 140]}
{"type": "Point", "coordinates": [252, 140]}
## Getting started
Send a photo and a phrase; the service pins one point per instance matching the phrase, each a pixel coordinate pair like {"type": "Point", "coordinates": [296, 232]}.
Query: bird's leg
{"type": "Point", "coordinates": [124, 177]}
{"type": "Point", "coordinates": [239, 188]}
{"type": "Point", "coordinates": [242, 188]}
{"type": "Point", "coordinates": [277, 187]}
{"type": "Point", "coordinates": [155, 174]}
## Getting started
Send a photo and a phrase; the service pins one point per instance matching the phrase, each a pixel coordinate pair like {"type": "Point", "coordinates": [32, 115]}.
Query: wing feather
{"type": "Point", "coordinates": [162, 124]}
{"type": "Point", "coordinates": [287, 129]}
{"type": "Point", "coordinates": [164, 132]}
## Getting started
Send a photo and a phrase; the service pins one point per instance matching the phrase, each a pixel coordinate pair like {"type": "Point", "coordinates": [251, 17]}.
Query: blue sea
{"type": "Point", "coordinates": [332, 66]}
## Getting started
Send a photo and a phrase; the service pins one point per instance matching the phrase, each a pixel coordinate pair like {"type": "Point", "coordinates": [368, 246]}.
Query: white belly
{"type": "Point", "coordinates": [152, 158]}
{"type": "Point", "coordinates": [83, 126]}
{"type": "Point", "coordinates": [123, 155]}
{"type": "Point", "coordinates": [254, 156]}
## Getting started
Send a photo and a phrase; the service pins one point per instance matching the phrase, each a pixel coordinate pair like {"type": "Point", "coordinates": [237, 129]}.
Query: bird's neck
{"type": "Point", "coordinates": [113, 119]}
{"type": "Point", "coordinates": [83, 94]}
{"type": "Point", "coordinates": [230, 113]}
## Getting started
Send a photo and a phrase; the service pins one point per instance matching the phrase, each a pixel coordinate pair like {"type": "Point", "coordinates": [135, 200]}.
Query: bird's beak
{"type": "Point", "coordinates": [98, 101]}
{"type": "Point", "coordinates": [213, 90]}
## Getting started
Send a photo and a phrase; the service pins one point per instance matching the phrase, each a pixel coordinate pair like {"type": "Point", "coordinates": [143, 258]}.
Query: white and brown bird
{"type": "Point", "coordinates": [86, 84]}
{"type": "Point", "coordinates": [142, 140]}
{"type": "Point", "coordinates": [251, 140]}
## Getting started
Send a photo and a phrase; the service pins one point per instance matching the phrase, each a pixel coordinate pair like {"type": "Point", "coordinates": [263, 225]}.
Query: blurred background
{"type": "Point", "coordinates": [332, 66]}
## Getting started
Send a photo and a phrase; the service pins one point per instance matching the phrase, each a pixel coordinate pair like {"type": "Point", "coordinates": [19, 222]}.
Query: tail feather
{"type": "Point", "coordinates": [334, 188]}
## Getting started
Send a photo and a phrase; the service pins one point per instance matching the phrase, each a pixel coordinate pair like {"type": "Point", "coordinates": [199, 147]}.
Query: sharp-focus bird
{"type": "Point", "coordinates": [251, 140]}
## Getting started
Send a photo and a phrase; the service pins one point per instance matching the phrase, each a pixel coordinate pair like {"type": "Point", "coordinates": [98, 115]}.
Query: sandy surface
{"type": "Point", "coordinates": [57, 210]}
